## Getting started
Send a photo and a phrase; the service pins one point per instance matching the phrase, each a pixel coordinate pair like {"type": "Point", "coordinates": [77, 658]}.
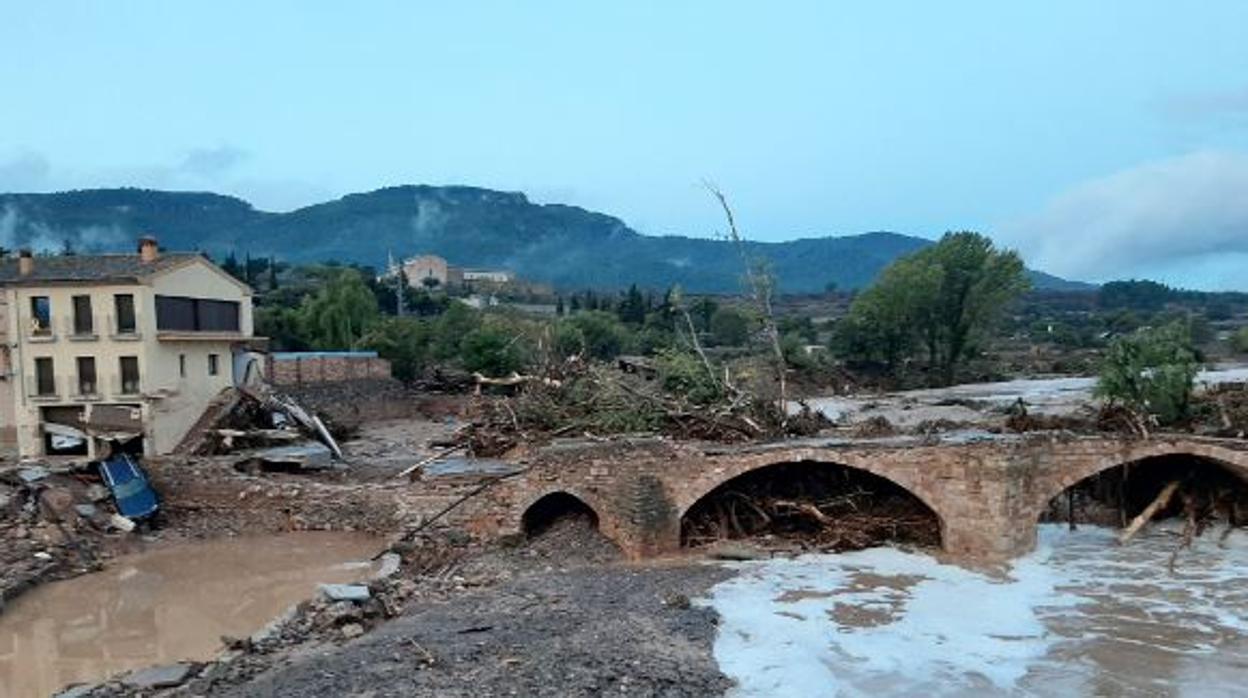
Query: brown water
{"type": "Point", "coordinates": [169, 604]}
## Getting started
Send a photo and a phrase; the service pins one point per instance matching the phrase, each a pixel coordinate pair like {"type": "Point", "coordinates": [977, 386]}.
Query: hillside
{"type": "Point", "coordinates": [563, 245]}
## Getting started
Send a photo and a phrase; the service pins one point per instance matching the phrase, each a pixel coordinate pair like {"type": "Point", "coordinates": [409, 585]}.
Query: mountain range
{"type": "Point", "coordinates": [567, 246]}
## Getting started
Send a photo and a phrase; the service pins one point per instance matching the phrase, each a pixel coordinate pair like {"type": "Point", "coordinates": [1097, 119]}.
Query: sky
{"type": "Point", "coordinates": [1101, 139]}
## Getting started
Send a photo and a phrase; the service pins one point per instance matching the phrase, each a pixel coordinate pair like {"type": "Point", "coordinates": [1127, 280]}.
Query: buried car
{"type": "Point", "coordinates": [131, 489]}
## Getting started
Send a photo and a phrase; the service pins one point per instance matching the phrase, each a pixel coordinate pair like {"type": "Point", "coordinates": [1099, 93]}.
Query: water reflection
{"type": "Point", "coordinates": [163, 606]}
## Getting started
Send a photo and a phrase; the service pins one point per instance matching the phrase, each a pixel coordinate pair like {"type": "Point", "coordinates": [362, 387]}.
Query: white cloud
{"type": "Point", "coordinates": [1162, 218]}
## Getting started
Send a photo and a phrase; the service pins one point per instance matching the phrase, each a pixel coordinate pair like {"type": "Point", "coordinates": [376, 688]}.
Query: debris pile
{"type": "Point", "coordinates": [268, 430]}
{"type": "Point", "coordinates": [830, 509]}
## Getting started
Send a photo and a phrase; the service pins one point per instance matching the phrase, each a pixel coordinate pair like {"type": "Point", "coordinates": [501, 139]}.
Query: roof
{"type": "Point", "coordinates": [91, 268]}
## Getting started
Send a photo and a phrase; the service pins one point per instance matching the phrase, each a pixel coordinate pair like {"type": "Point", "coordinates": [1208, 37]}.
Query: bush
{"type": "Point", "coordinates": [730, 327]}
{"type": "Point", "coordinates": [604, 336]}
{"type": "Point", "coordinates": [1239, 341]}
{"type": "Point", "coordinates": [1152, 372]}
{"type": "Point", "coordinates": [492, 351]}
{"type": "Point", "coordinates": [682, 373]}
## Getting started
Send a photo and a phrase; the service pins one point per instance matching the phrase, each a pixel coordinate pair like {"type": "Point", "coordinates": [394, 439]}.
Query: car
{"type": "Point", "coordinates": [131, 489]}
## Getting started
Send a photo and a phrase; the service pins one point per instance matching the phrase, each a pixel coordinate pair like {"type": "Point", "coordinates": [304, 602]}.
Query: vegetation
{"type": "Point", "coordinates": [1151, 373]}
{"type": "Point", "coordinates": [943, 300]}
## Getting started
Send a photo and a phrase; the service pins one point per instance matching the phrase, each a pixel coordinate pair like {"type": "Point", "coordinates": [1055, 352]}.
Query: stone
{"type": "Point", "coordinates": [352, 630]}
{"type": "Point", "coordinates": [389, 566]}
{"type": "Point", "coordinates": [346, 592]}
{"type": "Point", "coordinates": [159, 677]}
{"type": "Point", "coordinates": [78, 691]}
{"type": "Point", "coordinates": [86, 511]}
{"type": "Point", "coordinates": [121, 523]}
{"type": "Point", "coordinates": [730, 550]}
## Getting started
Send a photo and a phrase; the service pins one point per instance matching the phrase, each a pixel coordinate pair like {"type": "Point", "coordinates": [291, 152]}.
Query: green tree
{"type": "Point", "coordinates": [632, 307]}
{"type": "Point", "coordinates": [730, 327]}
{"type": "Point", "coordinates": [492, 351]}
{"type": "Point", "coordinates": [340, 313]}
{"type": "Point", "coordinates": [1152, 372]}
{"type": "Point", "coordinates": [604, 336]}
{"type": "Point", "coordinates": [404, 341]}
{"type": "Point", "coordinates": [1239, 340]}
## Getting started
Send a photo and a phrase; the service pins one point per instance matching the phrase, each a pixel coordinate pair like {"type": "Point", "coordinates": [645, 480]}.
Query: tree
{"type": "Point", "coordinates": [404, 341]}
{"type": "Point", "coordinates": [232, 267]}
{"type": "Point", "coordinates": [1151, 372]}
{"type": "Point", "coordinates": [604, 336]}
{"type": "Point", "coordinates": [340, 313]}
{"type": "Point", "coordinates": [1239, 340]}
{"type": "Point", "coordinates": [559, 310]}
{"type": "Point", "coordinates": [945, 297]}
{"type": "Point", "coordinates": [730, 327]}
{"type": "Point", "coordinates": [491, 351]}
{"type": "Point", "coordinates": [632, 308]}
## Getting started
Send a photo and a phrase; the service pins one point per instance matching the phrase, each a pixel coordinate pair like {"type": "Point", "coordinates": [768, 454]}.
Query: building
{"type": "Point", "coordinates": [131, 347]}
{"type": "Point", "coordinates": [420, 270]}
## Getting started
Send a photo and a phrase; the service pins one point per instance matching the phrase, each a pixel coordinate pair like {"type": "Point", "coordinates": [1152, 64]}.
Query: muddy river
{"type": "Point", "coordinates": [1080, 616]}
{"type": "Point", "coordinates": [165, 605]}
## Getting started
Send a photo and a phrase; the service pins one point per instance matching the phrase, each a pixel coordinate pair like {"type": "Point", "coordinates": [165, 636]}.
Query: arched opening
{"type": "Point", "coordinates": [1199, 491]}
{"type": "Point", "coordinates": [557, 509]}
{"type": "Point", "coordinates": [811, 505]}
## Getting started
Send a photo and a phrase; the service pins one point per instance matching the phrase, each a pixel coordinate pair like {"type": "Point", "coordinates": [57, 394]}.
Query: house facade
{"type": "Point", "coordinates": [124, 347]}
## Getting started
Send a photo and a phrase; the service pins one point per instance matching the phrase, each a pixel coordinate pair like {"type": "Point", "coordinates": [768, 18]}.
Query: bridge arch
{"type": "Point", "coordinates": [1232, 460]}
{"type": "Point", "coordinates": [543, 507]}
{"type": "Point", "coordinates": [904, 478]}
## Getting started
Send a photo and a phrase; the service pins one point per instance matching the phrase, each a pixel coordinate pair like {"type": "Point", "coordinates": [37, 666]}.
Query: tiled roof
{"type": "Point", "coordinates": [98, 267]}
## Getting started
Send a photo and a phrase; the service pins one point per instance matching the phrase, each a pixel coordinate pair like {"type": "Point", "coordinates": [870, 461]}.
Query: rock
{"type": "Point", "coordinates": [352, 630]}
{"type": "Point", "coordinates": [33, 474]}
{"type": "Point", "coordinates": [159, 677]}
{"type": "Point", "coordinates": [346, 592]}
{"type": "Point", "coordinates": [729, 550]}
{"type": "Point", "coordinates": [78, 691]}
{"type": "Point", "coordinates": [86, 511]}
{"type": "Point", "coordinates": [57, 503]}
{"type": "Point", "coordinates": [390, 563]}
{"type": "Point", "coordinates": [121, 523]}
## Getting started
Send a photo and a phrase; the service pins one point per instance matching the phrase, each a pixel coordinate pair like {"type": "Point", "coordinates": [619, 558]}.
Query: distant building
{"type": "Point", "coordinates": [132, 347]}
{"type": "Point", "coordinates": [422, 269]}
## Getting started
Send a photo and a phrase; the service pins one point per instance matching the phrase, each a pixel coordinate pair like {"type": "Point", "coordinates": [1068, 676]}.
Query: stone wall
{"type": "Point", "coordinates": [327, 368]}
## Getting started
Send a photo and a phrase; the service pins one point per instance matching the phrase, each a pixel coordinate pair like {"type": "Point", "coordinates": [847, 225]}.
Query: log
{"type": "Point", "coordinates": [1163, 498]}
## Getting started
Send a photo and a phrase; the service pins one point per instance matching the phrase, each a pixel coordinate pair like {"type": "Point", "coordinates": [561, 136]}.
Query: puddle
{"type": "Point", "coordinates": [166, 605]}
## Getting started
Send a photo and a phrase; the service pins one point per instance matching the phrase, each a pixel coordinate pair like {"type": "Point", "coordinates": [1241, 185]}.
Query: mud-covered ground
{"type": "Point", "coordinates": [560, 614]}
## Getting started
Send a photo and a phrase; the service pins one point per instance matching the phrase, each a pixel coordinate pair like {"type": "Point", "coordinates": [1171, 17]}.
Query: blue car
{"type": "Point", "coordinates": [132, 492]}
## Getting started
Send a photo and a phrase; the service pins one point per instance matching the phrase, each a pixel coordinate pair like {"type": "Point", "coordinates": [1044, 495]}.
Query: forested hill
{"type": "Point", "coordinates": [564, 245]}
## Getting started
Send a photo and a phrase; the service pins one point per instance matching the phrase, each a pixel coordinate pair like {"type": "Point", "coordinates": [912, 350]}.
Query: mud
{"type": "Point", "coordinates": [171, 603]}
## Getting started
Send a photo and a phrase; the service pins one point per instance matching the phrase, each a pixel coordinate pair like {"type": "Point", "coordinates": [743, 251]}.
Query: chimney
{"type": "Point", "coordinates": [149, 250]}
{"type": "Point", "coordinates": [25, 263]}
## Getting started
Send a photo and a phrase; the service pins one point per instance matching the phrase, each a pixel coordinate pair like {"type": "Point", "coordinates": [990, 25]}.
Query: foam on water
{"type": "Point", "coordinates": [1080, 614]}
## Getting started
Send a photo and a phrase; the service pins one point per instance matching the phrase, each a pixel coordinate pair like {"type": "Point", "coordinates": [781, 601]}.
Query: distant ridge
{"type": "Point", "coordinates": [565, 245]}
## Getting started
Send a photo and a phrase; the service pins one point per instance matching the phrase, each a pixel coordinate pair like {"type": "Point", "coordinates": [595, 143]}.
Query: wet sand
{"type": "Point", "coordinates": [169, 604]}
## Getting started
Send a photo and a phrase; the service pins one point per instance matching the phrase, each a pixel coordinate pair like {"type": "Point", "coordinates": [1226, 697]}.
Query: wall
{"type": "Point", "coordinates": [291, 369]}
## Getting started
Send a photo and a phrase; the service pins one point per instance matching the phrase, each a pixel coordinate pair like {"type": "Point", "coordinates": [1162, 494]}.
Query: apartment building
{"type": "Point", "coordinates": [129, 348]}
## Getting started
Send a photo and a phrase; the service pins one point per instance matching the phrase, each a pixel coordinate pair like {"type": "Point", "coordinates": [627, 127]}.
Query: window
{"type": "Point", "coordinates": [180, 314]}
{"type": "Point", "coordinates": [84, 323]}
{"type": "Point", "coordinates": [213, 367]}
{"type": "Point", "coordinates": [124, 305]}
{"type": "Point", "coordinates": [45, 379]}
{"type": "Point", "coordinates": [129, 375]}
{"type": "Point", "coordinates": [40, 316]}
{"type": "Point", "coordinates": [86, 376]}
{"type": "Point", "coordinates": [182, 365]}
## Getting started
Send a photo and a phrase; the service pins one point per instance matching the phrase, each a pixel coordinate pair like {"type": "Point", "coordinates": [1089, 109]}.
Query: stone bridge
{"type": "Point", "coordinates": [987, 494]}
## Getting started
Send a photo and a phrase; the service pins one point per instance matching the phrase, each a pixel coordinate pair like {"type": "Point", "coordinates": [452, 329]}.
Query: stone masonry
{"type": "Point", "coordinates": [988, 495]}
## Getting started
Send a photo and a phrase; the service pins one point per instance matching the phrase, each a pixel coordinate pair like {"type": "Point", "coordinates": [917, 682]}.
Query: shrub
{"type": "Point", "coordinates": [1152, 372]}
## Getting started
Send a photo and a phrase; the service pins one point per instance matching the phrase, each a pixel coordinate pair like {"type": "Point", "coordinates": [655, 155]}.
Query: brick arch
{"type": "Point", "coordinates": [1133, 452]}
{"type": "Point", "coordinates": [608, 524]}
{"type": "Point", "coordinates": [904, 473]}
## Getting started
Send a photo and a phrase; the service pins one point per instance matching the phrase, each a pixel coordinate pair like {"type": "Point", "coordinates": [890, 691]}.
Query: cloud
{"type": "Point", "coordinates": [211, 162]}
{"type": "Point", "coordinates": [1162, 218]}
{"type": "Point", "coordinates": [222, 169]}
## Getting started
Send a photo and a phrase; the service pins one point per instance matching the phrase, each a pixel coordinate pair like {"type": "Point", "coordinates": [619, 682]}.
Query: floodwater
{"type": "Point", "coordinates": [1060, 395]}
{"type": "Point", "coordinates": [1079, 616]}
{"type": "Point", "coordinates": [169, 604]}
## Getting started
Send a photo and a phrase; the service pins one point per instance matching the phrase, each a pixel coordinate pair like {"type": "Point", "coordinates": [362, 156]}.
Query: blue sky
{"type": "Point", "coordinates": [1102, 139]}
